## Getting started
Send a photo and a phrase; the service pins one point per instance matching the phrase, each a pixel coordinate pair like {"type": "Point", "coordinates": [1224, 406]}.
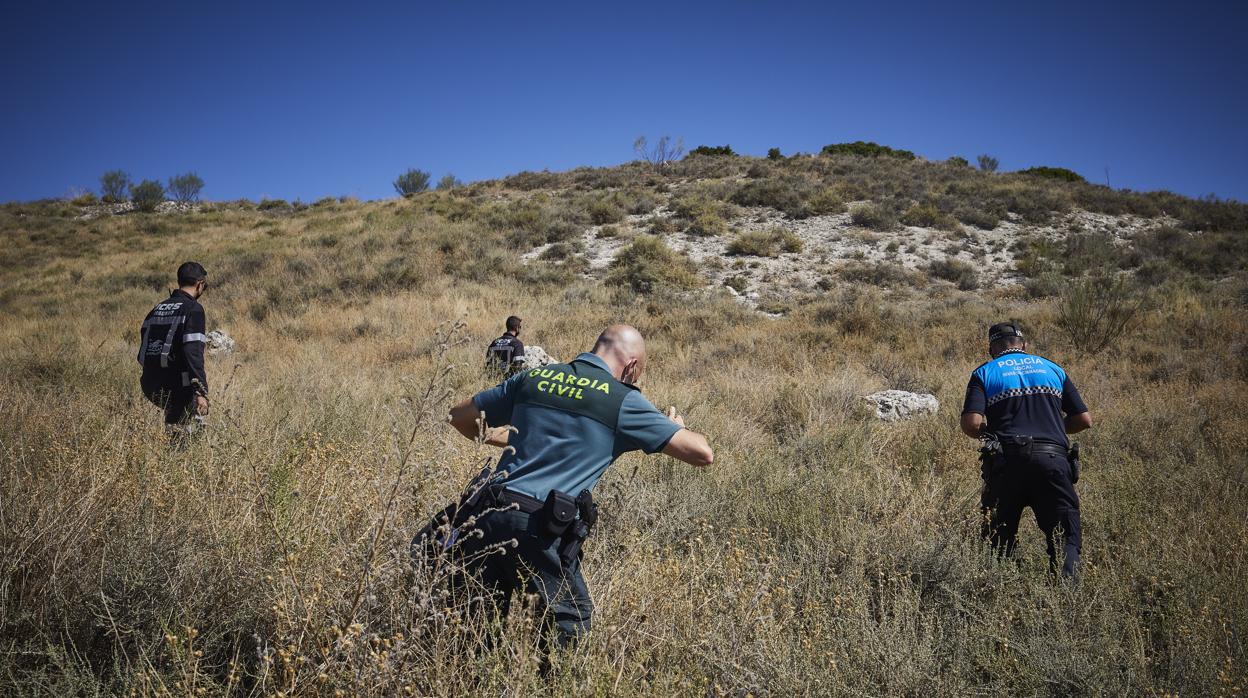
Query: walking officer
{"type": "Point", "coordinates": [171, 351]}
{"type": "Point", "coordinates": [505, 352]}
{"type": "Point", "coordinates": [1023, 406]}
{"type": "Point", "coordinates": [568, 423]}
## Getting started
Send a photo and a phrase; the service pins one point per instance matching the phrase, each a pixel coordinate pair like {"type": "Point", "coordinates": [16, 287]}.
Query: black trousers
{"type": "Point", "coordinates": [1040, 481]}
{"type": "Point", "coordinates": [178, 402]}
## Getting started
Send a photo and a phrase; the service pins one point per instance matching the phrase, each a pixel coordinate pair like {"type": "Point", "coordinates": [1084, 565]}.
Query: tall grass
{"type": "Point", "coordinates": [824, 554]}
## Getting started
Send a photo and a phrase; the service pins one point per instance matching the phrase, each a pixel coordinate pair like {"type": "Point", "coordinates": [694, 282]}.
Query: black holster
{"type": "Point", "coordinates": [1073, 456]}
{"type": "Point", "coordinates": [989, 456]}
{"type": "Point", "coordinates": [580, 529]}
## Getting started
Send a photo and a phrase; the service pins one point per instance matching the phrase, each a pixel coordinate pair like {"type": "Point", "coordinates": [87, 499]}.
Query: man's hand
{"type": "Point", "coordinates": [201, 405]}
{"type": "Point", "coordinates": [671, 414]}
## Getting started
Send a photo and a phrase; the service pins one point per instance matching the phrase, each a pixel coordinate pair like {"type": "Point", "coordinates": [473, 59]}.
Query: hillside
{"type": "Point", "coordinates": [825, 552]}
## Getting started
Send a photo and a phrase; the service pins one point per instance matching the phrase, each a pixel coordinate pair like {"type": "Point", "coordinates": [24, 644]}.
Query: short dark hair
{"type": "Point", "coordinates": [513, 323]}
{"type": "Point", "coordinates": [191, 273]}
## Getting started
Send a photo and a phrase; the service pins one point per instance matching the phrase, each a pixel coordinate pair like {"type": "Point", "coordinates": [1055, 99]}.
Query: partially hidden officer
{"type": "Point", "coordinates": [568, 423]}
{"type": "Point", "coordinates": [1023, 406]}
{"type": "Point", "coordinates": [171, 351]}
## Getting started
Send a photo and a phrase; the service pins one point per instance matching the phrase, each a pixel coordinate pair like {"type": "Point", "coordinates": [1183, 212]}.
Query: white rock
{"type": "Point", "coordinates": [898, 405]}
{"type": "Point", "coordinates": [220, 343]}
{"type": "Point", "coordinates": [535, 357]}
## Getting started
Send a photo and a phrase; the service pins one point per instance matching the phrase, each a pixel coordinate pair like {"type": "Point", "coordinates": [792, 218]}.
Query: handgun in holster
{"type": "Point", "coordinates": [1073, 456]}
{"type": "Point", "coordinates": [989, 452]}
{"type": "Point", "coordinates": [580, 529]}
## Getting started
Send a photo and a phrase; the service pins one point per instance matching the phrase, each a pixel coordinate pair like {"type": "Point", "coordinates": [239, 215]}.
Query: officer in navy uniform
{"type": "Point", "coordinates": [568, 423]}
{"type": "Point", "coordinates": [171, 351]}
{"type": "Point", "coordinates": [506, 351]}
{"type": "Point", "coordinates": [1023, 406]}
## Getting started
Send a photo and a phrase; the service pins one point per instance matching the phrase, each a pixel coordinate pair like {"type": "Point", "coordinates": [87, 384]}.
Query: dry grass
{"type": "Point", "coordinates": [824, 554]}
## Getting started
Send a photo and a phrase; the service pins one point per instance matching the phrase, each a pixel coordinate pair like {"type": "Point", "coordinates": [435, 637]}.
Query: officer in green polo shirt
{"type": "Point", "coordinates": [568, 423]}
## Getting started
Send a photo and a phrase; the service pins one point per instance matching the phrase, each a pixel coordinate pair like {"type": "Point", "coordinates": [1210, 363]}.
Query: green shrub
{"type": "Point", "coordinates": [85, 199]}
{"type": "Point", "coordinates": [701, 214]}
{"type": "Point", "coordinates": [273, 204]}
{"type": "Point", "coordinates": [987, 163]}
{"type": "Point", "coordinates": [780, 194]}
{"type": "Point", "coordinates": [536, 221]}
{"type": "Point", "coordinates": [147, 195]}
{"type": "Point", "coordinates": [704, 150]}
{"type": "Point", "coordinates": [824, 202]}
{"type": "Point", "coordinates": [1208, 253]}
{"type": "Point", "coordinates": [1212, 214]}
{"type": "Point", "coordinates": [874, 216]}
{"type": "Point", "coordinates": [738, 282]}
{"type": "Point", "coordinates": [1049, 283]}
{"type": "Point", "coordinates": [866, 149]}
{"type": "Point", "coordinates": [412, 182]}
{"type": "Point", "coordinates": [113, 186]}
{"type": "Point", "coordinates": [759, 170]}
{"type": "Point", "coordinates": [765, 243]}
{"type": "Point", "coordinates": [960, 273]}
{"type": "Point", "coordinates": [978, 217]}
{"type": "Point", "coordinates": [774, 154]}
{"type": "Point", "coordinates": [794, 196]}
{"type": "Point", "coordinates": [1059, 173]}
{"type": "Point", "coordinates": [449, 181]}
{"type": "Point", "coordinates": [185, 187]}
{"type": "Point", "coordinates": [880, 274]}
{"type": "Point", "coordinates": [1094, 313]}
{"type": "Point", "coordinates": [647, 264]}
{"type": "Point", "coordinates": [528, 181]}
{"type": "Point", "coordinates": [558, 251]}
{"type": "Point", "coordinates": [1084, 252]}
{"type": "Point", "coordinates": [603, 211]}
{"type": "Point", "coordinates": [707, 225]}
{"type": "Point", "coordinates": [636, 201]}
{"type": "Point", "coordinates": [958, 161]}
{"type": "Point", "coordinates": [928, 216]}
{"type": "Point", "coordinates": [664, 225]}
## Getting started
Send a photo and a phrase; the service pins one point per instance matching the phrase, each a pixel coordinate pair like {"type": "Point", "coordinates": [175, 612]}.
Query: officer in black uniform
{"type": "Point", "coordinates": [568, 422]}
{"type": "Point", "coordinates": [506, 351]}
{"type": "Point", "coordinates": [1023, 406]}
{"type": "Point", "coordinates": [171, 351]}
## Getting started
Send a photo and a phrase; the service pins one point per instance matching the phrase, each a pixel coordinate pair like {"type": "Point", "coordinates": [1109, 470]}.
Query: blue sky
{"type": "Point", "coordinates": [303, 100]}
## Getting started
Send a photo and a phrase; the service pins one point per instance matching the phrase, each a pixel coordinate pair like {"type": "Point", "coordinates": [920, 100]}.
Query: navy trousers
{"type": "Point", "coordinates": [1040, 481]}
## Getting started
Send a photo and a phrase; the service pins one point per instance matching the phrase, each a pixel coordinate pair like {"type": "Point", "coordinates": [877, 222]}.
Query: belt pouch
{"type": "Point", "coordinates": [558, 512]}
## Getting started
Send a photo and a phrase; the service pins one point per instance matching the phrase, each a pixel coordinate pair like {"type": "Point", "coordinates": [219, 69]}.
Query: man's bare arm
{"type": "Point", "coordinates": [973, 424]}
{"type": "Point", "coordinates": [466, 419]}
{"type": "Point", "coordinates": [1076, 423]}
{"type": "Point", "coordinates": [688, 446]}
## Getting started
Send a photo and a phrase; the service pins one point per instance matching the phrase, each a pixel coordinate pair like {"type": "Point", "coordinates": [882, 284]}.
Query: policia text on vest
{"type": "Point", "coordinates": [565, 424]}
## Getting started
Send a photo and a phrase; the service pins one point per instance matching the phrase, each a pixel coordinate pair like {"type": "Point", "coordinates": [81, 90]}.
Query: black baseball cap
{"type": "Point", "coordinates": [1004, 330]}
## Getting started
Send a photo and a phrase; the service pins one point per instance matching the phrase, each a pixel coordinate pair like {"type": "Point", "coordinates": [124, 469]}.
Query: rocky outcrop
{"type": "Point", "coordinates": [535, 357]}
{"type": "Point", "coordinates": [220, 343]}
{"type": "Point", "coordinates": [898, 405]}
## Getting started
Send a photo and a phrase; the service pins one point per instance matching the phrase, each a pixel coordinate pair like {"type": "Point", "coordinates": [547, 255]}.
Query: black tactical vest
{"type": "Point", "coordinates": [578, 387]}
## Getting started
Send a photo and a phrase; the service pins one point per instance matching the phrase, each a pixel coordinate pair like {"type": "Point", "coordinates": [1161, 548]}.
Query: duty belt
{"type": "Point", "coordinates": [1034, 447]}
{"type": "Point", "coordinates": [502, 496]}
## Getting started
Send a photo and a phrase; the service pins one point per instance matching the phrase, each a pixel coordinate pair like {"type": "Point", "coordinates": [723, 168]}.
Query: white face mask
{"type": "Point", "coordinates": [630, 377]}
